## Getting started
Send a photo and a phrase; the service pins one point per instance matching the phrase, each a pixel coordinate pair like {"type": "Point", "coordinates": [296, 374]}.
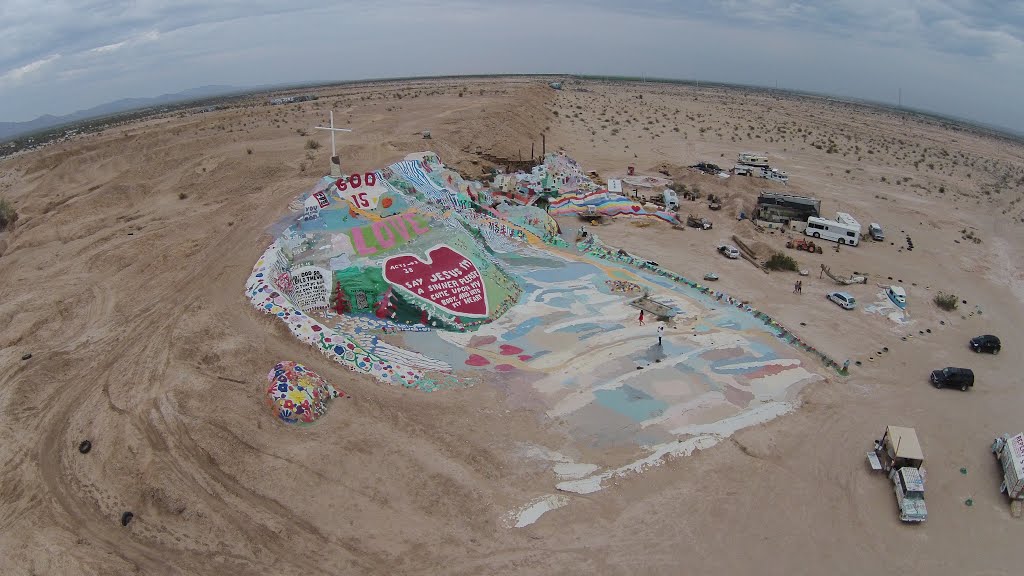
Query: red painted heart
{"type": "Point", "coordinates": [447, 279]}
{"type": "Point", "coordinates": [636, 208]}
{"type": "Point", "coordinates": [509, 350]}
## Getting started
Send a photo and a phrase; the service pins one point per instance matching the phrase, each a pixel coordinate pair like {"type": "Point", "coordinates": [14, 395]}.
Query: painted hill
{"type": "Point", "coordinates": [403, 243]}
{"type": "Point", "coordinates": [409, 247]}
{"type": "Point", "coordinates": [413, 247]}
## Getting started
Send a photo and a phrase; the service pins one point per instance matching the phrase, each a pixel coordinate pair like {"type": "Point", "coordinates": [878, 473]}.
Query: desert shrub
{"type": "Point", "coordinates": [945, 301]}
{"type": "Point", "coordinates": [248, 150]}
{"type": "Point", "coordinates": [8, 215]}
{"type": "Point", "coordinates": [312, 144]}
{"type": "Point", "coordinates": [780, 261]}
{"type": "Point", "coordinates": [182, 195]}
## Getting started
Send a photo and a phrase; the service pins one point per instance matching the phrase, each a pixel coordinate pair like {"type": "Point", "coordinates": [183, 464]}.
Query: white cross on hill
{"type": "Point", "coordinates": [335, 160]}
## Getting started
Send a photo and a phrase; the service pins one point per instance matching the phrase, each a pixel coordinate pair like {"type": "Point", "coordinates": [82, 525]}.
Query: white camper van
{"type": "Point", "coordinates": [775, 175]}
{"type": "Point", "coordinates": [753, 159]}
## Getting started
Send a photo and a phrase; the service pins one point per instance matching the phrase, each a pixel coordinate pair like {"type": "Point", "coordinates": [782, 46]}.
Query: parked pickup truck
{"type": "Point", "coordinates": [909, 487]}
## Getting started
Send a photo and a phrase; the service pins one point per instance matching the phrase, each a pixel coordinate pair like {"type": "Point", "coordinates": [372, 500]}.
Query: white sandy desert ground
{"type": "Point", "coordinates": [124, 278]}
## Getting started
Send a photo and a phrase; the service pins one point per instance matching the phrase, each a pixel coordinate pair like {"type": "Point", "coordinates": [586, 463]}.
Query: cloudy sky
{"type": "Point", "coordinates": [958, 57]}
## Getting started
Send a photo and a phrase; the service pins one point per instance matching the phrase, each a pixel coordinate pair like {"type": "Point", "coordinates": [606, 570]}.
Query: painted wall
{"type": "Point", "coordinates": [311, 287]}
{"type": "Point", "coordinates": [445, 278]}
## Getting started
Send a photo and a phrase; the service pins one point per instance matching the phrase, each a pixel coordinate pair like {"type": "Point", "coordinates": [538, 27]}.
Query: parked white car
{"type": "Point", "coordinates": [729, 251]}
{"type": "Point", "coordinates": [843, 299]}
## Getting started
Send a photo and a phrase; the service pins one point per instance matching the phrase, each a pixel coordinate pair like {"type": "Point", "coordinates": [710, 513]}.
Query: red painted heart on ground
{"type": "Point", "coordinates": [447, 279]}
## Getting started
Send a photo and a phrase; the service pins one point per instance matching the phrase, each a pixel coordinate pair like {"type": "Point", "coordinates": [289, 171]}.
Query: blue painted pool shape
{"type": "Point", "coordinates": [523, 328]}
{"type": "Point", "coordinates": [630, 402]}
{"type": "Point", "coordinates": [560, 302]}
{"type": "Point", "coordinates": [762, 348]}
{"type": "Point", "coordinates": [585, 329]}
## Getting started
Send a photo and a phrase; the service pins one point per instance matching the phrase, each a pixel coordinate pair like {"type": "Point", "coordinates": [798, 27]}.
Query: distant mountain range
{"type": "Point", "coordinates": [10, 130]}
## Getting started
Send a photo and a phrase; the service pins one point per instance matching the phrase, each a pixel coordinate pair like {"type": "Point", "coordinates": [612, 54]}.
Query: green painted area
{"type": "Point", "coordinates": [363, 287]}
{"type": "Point", "coordinates": [388, 233]}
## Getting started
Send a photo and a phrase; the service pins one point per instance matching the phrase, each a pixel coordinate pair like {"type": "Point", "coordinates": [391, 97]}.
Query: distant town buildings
{"type": "Point", "coordinates": [291, 99]}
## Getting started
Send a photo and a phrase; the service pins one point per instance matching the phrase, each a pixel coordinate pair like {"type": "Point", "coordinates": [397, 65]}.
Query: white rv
{"type": "Point", "coordinates": [765, 172]}
{"type": "Point", "coordinates": [775, 174]}
{"type": "Point", "coordinates": [671, 199]}
{"type": "Point", "coordinates": [844, 229]}
{"type": "Point", "coordinates": [754, 159]}
{"type": "Point", "coordinates": [850, 221]}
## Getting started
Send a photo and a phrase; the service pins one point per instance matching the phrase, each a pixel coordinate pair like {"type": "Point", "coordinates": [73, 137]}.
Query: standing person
{"type": "Point", "coordinates": [641, 317]}
{"type": "Point", "coordinates": [796, 286]}
{"type": "Point", "coordinates": [661, 332]}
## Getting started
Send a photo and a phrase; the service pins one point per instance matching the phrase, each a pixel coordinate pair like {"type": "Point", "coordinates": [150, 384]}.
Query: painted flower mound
{"type": "Point", "coordinates": [297, 395]}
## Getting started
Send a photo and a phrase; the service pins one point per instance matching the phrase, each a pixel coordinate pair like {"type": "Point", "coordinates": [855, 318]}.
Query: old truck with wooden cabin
{"type": "Point", "coordinates": [899, 454]}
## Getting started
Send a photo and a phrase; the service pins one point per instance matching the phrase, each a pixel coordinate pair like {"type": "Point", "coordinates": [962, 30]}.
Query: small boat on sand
{"type": "Point", "coordinates": [898, 296]}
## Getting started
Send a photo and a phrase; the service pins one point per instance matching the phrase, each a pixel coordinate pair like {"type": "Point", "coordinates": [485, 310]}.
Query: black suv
{"type": "Point", "coordinates": [986, 343]}
{"type": "Point", "coordinates": [962, 378]}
